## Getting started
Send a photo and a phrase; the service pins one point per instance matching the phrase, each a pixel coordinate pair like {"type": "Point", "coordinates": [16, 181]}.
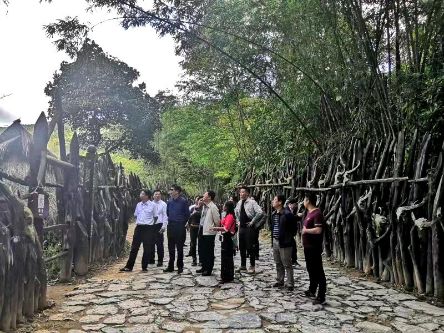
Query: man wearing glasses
{"type": "Point", "coordinates": [178, 215]}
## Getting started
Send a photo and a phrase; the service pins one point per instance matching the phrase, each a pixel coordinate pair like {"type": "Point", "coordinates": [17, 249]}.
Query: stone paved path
{"type": "Point", "coordinates": [157, 301]}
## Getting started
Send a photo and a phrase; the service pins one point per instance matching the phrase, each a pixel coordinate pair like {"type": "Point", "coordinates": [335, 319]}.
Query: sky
{"type": "Point", "coordinates": [28, 58]}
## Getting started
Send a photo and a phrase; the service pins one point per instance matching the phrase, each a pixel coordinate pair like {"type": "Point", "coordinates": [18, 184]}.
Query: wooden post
{"type": "Point", "coordinates": [71, 199]}
{"type": "Point", "coordinates": [37, 172]}
{"type": "Point", "coordinates": [82, 248]}
{"type": "Point", "coordinates": [91, 159]}
{"type": "Point", "coordinates": [438, 233]}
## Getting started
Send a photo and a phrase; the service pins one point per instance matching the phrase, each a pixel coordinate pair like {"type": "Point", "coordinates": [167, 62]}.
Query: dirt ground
{"type": "Point", "coordinates": [106, 271]}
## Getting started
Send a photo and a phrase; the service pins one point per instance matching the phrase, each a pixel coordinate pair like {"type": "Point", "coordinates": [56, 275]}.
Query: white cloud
{"type": "Point", "coordinates": [28, 58]}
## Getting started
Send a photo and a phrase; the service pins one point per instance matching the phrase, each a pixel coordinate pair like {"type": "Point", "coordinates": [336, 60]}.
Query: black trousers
{"type": "Point", "coordinates": [207, 252]}
{"type": "Point", "coordinates": [227, 261]}
{"type": "Point", "coordinates": [176, 234]}
{"type": "Point", "coordinates": [157, 245]}
{"type": "Point", "coordinates": [143, 234]}
{"type": "Point", "coordinates": [313, 260]}
{"type": "Point", "coordinates": [256, 241]}
{"type": "Point", "coordinates": [194, 233]}
{"type": "Point", "coordinates": [199, 243]}
{"type": "Point", "coordinates": [247, 244]}
{"type": "Point", "coordinates": [294, 252]}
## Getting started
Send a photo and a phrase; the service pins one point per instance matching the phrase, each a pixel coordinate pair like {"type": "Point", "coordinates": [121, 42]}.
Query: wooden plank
{"type": "Point", "coordinates": [54, 185]}
{"type": "Point", "coordinates": [356, 183]}
{"type": "Point", "coordinates": [55, 227]}
{"type": "Point", "coordinates": [59, 255]}
{"type": "Point", "coordinates": [59, 163]}
{"type": "Point", "coordinates": [309, 189]}
{"type": "Point", "coordinates": [13, 179]}
{"type": "Point", "coordinates": [265, 185]}
{"type": "Point", "coordinates": [371, 181]}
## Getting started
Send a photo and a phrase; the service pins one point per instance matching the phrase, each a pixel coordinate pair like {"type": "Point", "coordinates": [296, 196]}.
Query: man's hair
{"type": "Point", "coordinates": [176, 187]}
{"type": "Point", "coordinates": [281, 198]}
{"type": "Point", "coordinates": [157, 190]}
{"type": "Point", "coordinates": [311, 197]}
{"type": "Point", "coordinates": [244, 188]}
{"type": "Point", "coordinates": [211, 194]}
{"type": "Point", "coordinates": [292, 201]}
{"type": "Point", "coordinates": [147, 193]}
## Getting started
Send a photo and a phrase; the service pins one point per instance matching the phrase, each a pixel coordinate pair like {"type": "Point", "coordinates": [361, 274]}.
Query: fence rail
{"type": "Point", "coordinates": [93, 201]}
{"type": "Point", "coordinates": [370, 194]}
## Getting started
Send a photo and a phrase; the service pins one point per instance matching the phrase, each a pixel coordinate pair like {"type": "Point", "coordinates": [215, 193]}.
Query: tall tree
{"type": "Point", "coordinates": [98, 96]}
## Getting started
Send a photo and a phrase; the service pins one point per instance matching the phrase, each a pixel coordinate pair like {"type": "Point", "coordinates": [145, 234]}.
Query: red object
{"type": "Point", "coordinates": [313, 219]}
{"type": "Point", "coordinates": [229, 223]}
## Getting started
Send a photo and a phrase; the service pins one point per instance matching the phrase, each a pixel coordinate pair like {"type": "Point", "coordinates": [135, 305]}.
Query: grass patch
{"type": "Point", "coordinates": [51, 247]}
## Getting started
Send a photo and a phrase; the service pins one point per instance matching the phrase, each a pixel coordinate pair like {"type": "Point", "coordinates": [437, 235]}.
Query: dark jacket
{"type": "Point", "coordinates": [287, 228]}
{"type": "Point", "coordinates": [178, 211]}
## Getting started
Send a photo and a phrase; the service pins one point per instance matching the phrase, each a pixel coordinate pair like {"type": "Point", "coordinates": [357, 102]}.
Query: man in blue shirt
{"type": "Point", "coordinates": [178, 214]}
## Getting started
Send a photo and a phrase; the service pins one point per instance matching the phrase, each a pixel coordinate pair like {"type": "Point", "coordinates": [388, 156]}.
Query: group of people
{"type": "Point", "coordinates": [238, 227]}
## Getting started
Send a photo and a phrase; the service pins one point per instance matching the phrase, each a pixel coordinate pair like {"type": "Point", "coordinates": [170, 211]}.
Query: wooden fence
{"type": "Point", "coordinates": [383, 205]}
{"type": "Point", "coordinates": [94, 201]}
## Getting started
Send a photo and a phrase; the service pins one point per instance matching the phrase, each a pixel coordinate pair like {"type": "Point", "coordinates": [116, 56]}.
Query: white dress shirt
{"type": "Point", "coordinates": [161, 213]}
{"type": "Point", "coordinates": [145, 213]}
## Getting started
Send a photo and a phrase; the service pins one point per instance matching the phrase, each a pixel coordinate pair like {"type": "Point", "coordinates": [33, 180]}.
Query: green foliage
{"type": "Point", "coordinates": [52, 247]}
{"type": "Point", "coordinates": [136, 166]}
{"type": "Point", "coordinates": [264, 77]}
{"type": "Point", "coordinates": [100, 100]}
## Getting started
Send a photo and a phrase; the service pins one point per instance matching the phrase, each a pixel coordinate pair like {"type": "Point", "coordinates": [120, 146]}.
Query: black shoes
{"type": "Point", "coordinates": [206, 273]}
{"type": "Point", "coordinates": [125, 269]}
{"type": "Point", "coordinates": [168, 270]}
{"type": "Point", "coordinates": [144, 269]}
{"type": "Point", "coordinates": [309, 294]}
{"type": "Point", "coordinates": [179, 270]}
{"type": "Point", "coordinates": [194, 263]}
{"type": "Point", "coordinates": [159, 264]}
{"type": "Point", "coordinates": [278, 285]}
{"type": "Point", "coordinates": [199, 271]}
{"type": "Point", "coordinates": [290, 288]}
{"type": "Point", "coordinates": [319, 301]}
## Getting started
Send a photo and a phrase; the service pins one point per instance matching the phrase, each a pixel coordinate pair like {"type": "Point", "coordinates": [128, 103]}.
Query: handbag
{"type": "Point", "coordinates": [259, 223]}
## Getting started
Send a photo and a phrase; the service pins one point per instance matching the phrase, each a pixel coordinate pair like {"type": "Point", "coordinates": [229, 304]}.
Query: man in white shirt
{"type": "Point", "coordinates": [161, 226]}
{"type": "Point", "coordinates": [146, 217]}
